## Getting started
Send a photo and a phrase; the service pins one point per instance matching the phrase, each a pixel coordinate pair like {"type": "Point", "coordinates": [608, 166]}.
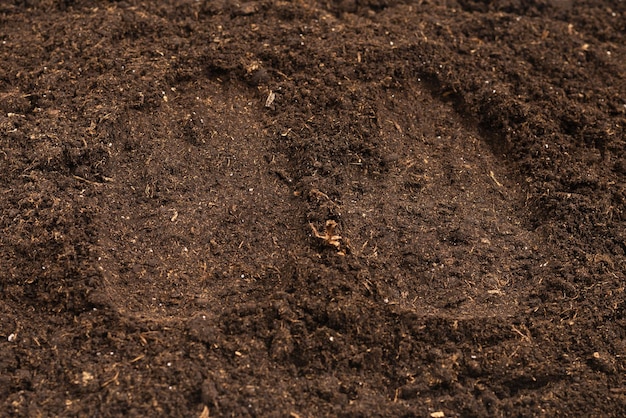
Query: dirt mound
{"type": "Point", "coordinates": [333, 208]}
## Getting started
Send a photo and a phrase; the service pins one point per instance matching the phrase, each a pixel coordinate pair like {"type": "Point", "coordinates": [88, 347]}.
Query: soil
{"type": "Point", "coordinates": [375, 208]}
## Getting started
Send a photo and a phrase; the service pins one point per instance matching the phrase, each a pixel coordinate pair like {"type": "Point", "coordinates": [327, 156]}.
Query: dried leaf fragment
{"type": "Point", "coordinates": [329, 236]}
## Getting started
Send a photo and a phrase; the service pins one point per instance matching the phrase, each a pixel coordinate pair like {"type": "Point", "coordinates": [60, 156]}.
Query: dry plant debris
{"type": "Point", "coordinates": [329, 236]}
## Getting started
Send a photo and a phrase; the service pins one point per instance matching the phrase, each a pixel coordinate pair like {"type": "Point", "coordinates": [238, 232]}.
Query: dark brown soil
{"type": "Point", "coordinates": [172, 172]}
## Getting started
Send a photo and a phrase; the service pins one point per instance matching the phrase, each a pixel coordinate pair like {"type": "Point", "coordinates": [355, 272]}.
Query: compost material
{"type": "Point", "coordinates": [375, 208]}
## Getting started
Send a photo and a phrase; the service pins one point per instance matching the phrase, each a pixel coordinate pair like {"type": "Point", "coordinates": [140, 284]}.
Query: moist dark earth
{"type": "Point", "coordinates": [355, 208]}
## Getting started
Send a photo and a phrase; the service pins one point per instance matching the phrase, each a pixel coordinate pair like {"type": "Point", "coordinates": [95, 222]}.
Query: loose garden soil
{"type": "Point", "coordinates": [375, 208]}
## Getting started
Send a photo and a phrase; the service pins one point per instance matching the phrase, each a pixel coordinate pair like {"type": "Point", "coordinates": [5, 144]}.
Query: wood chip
{"type": "Point", "coordinates": [270, 99]}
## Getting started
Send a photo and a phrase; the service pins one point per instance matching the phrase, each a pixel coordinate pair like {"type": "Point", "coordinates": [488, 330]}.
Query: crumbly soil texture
{"type": "Point", "coordinates": [351, 208]}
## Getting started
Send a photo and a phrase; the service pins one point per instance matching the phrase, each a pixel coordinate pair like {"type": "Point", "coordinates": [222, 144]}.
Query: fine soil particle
{"type": "Point", "coordinates": [312, 208]}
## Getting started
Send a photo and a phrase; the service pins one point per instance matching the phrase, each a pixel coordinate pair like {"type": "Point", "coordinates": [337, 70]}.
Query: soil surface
{"type": "Point", "coordinates": [313, 208]}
